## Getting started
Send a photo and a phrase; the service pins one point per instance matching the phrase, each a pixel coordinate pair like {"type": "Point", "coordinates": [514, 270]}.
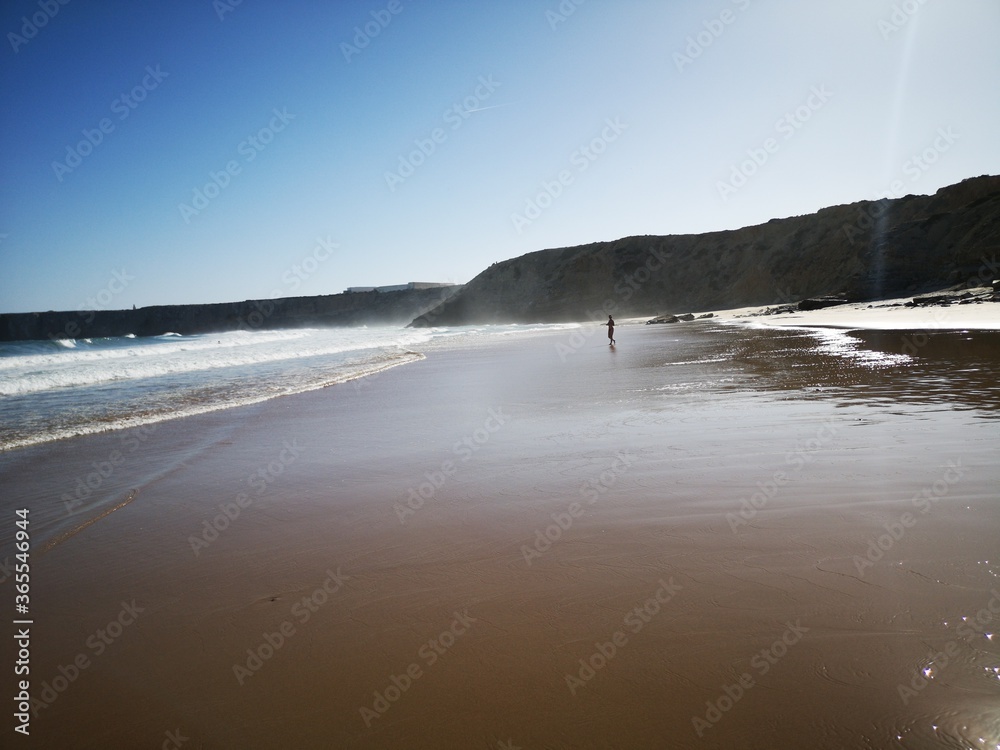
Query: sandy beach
{"type": "Point", "coordinates": [709, 536]}
{"type": "Point", "coordinates": [895, 314]}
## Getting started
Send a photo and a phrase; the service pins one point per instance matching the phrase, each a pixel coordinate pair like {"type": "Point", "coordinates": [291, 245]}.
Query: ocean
{"type": "Point", "coordinates": [50, 390]}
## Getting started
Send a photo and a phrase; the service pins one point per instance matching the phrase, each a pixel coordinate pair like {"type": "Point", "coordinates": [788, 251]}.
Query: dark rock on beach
{"type": "Point", "coordinates": [678, 318]}
{"type": "Point", "coordinates": [818, 303]}
{"type": "Point", "coordinates": [955, 297]}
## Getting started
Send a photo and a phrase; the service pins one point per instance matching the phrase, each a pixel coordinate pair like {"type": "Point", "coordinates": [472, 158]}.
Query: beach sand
{"type": "Point", "coordinates": [889, 314]}
{"type": "Point", "coordinates": [577, 572]}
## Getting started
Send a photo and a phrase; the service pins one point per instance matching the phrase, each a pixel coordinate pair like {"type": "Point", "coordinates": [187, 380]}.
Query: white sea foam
{"type": "Point", "coordinates": [111, 360]}
{"type": "Point", "coordinates": [55, 389]}
{"type": "Point", "coordinates": [127, 421]}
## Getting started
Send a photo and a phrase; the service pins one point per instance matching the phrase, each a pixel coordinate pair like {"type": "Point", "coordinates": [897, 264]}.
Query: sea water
{"type": "Point", "coordinates": [61, 388]}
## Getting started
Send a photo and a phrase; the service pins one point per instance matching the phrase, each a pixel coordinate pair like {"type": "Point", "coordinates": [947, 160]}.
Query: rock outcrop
{"type": "Point", "coordinates": [349, 309]}
{"type": "Point", "coordinates": [861, 251]}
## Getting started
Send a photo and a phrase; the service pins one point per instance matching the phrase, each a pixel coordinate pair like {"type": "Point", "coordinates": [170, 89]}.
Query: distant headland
{"type": "Point", "coordinates": [395, 305]}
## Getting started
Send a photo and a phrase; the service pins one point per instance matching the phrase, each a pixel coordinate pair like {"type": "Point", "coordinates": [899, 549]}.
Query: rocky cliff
{"type": "Point", "coordinates": [864, 250]}
{"type": "Point", "coordinates": [350, 309]}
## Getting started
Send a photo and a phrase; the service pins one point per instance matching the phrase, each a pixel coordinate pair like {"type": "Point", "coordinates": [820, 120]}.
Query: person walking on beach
{"type": "Point", "coordinates": [611, 331]}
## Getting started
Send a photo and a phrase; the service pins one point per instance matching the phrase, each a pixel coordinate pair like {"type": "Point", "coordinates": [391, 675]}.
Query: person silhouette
{"type": "Point", "coordinates": [611, 331]}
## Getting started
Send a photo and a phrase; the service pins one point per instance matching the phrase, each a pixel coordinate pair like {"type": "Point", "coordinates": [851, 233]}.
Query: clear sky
{"type": "Point", "coordinates": [200, 151]}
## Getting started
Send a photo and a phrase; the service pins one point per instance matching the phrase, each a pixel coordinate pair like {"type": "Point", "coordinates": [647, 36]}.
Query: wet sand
{"type": "Point", "coordinates": [706, 537]}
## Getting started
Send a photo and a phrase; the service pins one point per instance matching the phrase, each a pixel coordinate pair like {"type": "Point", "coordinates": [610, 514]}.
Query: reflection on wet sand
{"type": "Point", "coordinates": [944, 369]}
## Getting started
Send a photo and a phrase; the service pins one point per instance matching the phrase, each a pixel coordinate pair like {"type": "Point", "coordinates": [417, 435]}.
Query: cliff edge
{"type": "Point", "coordinates": [864, 250]}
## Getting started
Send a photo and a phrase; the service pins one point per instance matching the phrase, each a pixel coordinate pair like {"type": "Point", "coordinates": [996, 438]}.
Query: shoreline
{"type": "Point", "coordinates": [884, 315]}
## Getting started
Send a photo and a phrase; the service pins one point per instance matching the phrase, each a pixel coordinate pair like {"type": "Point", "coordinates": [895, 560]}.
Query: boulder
{"type": "Point", "coordinates": [818, 303]}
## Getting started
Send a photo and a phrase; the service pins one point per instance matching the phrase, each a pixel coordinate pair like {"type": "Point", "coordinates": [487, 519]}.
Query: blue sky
{"type": "Point", "coordinates": [338, 144]}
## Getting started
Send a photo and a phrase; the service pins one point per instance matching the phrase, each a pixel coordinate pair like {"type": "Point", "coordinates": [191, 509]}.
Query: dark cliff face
{"type": "Point", "coordinates": [863, 250]}
{"type": "Point", "coordinates": [362, 308]}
